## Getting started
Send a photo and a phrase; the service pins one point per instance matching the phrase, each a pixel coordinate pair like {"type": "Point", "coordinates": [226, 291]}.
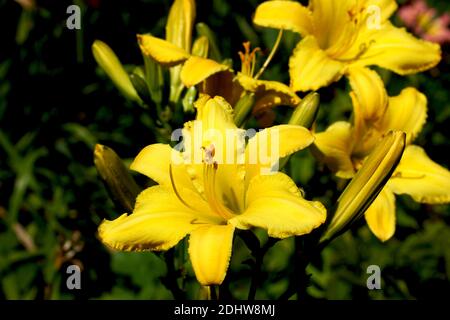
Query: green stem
{"type": "Point", "coordinates": [258, 254]}
{"type": "Point", "coordinates": [305, 249]}
{"type": "Point", "coordinates": [170, 280]}
{"type": "Point", "coordinates": [256, 277]}
{"type": "Point", "coordinates": [213, 293]}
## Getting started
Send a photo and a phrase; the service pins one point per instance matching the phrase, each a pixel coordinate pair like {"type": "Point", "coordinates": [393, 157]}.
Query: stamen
{"type": "Point", "coordinates": [248, 59]}
{"type": "Point", "coordinates": [272, 53]}
{"type": "Point", "coordinates": [172, 181]}
{"type": "Point", "coordinates": [210, 168]}
{"type": "Point", "coordinates": [358, 18]}
{"type": "Point", "coordinates": [209, 154]}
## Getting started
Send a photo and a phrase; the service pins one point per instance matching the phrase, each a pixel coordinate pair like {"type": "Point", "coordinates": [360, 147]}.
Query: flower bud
{"type": "Point", "coordinates": [201, 47]}
{"type": "Point", "coordinates": [180, 23]}
{"type": "Point", "coordinates": [116, 177]}
{"type": "Point", "coordinates": [204, 30]}
{"type": "Point", "coordinates": [306, 112]}
{"type": "Point", "coordinates": [189, 99]}
{"type": "Point", "coordinates": [108, 61]}
{"type": "Point", "coordinates": [243, 108]}
{"type": "Point", "coordinates": [367, 184]}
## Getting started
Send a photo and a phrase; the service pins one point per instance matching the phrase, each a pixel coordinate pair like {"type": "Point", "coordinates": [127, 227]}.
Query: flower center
{"type": "Point", "coordinates": [358, 18]}
{"type": "Point", "coordinates": [210, 167]}
{"type": "Point", "coordinates": [362, 50]}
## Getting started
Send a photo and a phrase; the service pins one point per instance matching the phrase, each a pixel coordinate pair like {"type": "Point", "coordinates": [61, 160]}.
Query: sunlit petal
{"type": "Point", "coordinates": [421, 178]}
{"type": "Point", "coordinates": [197, 69]}
{"type": "Point", "coordinates": [210, 252]}
{"type": "Point", "coordinates": [275, 203]}
{"type": "Point", "coordinates": [264, 150]}
{"type": "Point", "coordinates": [158, 222]}
{"type": "Point", "coordinates": [380, 216]}
{"type": "Point", "coordinates": [287, 15]}
{"type": "Point", "coordinates": [370, 92]}
{"type": "Point", "coordinates": [406, 112]}
{"type": "Point", "coordinates": [310, 68]}
{"type": "Point", "coordinates": [397, 50]}
{"type": "Point", "coordinates": [161, 50]}
{"type": "Point", "coordinates": [334, 148]}
{"type": "Point", "coordinates": [269, 93]}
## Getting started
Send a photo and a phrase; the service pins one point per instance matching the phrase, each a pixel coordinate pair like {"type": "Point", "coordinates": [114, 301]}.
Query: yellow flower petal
{"type": "Point", "coordinates": [287, 15]}
{"type": "Point", "coordinates": [197, 69]}
{"type": "Point", "coordinates": [407, 112]}
{"type": "Point", "coordinates": [370, 92]}
{"type": "Point", "coordinates": [210, 252]}
{"type": "Point", "coordinates": [159, 222]}
{"type": "Point", "coordinates": [215, 114]}
{"type": "Point", "coordinates": [421, 178]}
{"type": "Point", "coordinates": [161, 50]}
{"type": "Point", "coordinates": [366, 133]}
{"type": "Point", "coordinates": [332, 25]}
{"type": "Point", "coordinates": [264, 150]}
{"type": "Point", "coordinates": [180, 23]}
{"type": "Point", "coordinates": [310, 68]}
{"type": "Point", "coordinates": [154, 161]}
{"type": "Point", "coordinates": [334, 148]}
{"type": "Point", "coordinates": [275, 203]}
{"type": "Point", "coordinates": [386, 7]}
{"type": "Point", "coordinates": [271, 93]}
{"type": "Point", "coordinates": [395, 49]}
{"type": "Point", "coordinates": [380, 216]}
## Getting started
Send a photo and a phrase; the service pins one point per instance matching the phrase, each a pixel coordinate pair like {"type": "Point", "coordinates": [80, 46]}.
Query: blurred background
{"type": "Point", "coordinates": [56, 104]}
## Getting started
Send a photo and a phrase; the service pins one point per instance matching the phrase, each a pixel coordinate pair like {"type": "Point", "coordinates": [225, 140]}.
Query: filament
{"type": "Point", "coordinates": [272, 53]}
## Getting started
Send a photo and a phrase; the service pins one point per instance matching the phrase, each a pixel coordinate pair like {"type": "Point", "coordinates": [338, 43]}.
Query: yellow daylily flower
{"type": "Point", "coordinates": [218, 79]}
{"type": "Point", "coordinates": [344, 146]}
{"type": "Point", "coordinates": [342, 33]}
{"type": "Point", "coordinates": [208, 199]}
{"type": "Point", "coordinates": [176, 48]}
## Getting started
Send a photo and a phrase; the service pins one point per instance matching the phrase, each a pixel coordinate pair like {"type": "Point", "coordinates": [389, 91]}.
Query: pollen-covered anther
{"type": "Point", "coordinates": [210, 152]}
{"type": "Point", "coordinates": [248, 59]}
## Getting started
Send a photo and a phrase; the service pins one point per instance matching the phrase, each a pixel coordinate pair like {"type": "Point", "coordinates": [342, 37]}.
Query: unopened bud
{"type": "Point", "coordinates": [243, 108]}
{"type": "Point", "coordinates": [141, 87]}
{"type": "Point", "coordinates": [108, 61]}
{"type": "Point", "coordinates": [367, 184]}
{"type": "Point", "coordinates": [306, 112]}
{"type": "Point", "coordinates": [180, 23]}
{"type": "Point", "coordinates": [201, 47]}
{"type": "Point", "coordinates": [116, 177]}
{"type": "Point", "coordinates": [189, 99]}
{"type": "Point", "coordinates": [204, 30]}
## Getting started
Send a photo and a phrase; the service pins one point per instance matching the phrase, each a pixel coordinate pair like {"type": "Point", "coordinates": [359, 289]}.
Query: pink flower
{"type": "Point", "coordinates": [425, 22]}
